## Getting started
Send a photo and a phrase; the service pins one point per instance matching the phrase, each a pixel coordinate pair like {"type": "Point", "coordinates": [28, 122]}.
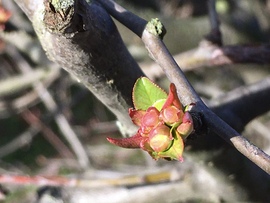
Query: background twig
{"type": "Point", "coordinates": [60, 119]}
{"type": "Point", "coordinates": [215, 35]}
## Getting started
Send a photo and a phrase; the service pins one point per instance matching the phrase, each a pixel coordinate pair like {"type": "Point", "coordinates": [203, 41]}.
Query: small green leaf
{"type": "Point", "coordinates": [146, 93]}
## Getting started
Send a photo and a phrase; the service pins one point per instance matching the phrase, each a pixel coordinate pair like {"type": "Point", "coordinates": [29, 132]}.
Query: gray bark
{"type": "Point", "coordinates": [82, 38]}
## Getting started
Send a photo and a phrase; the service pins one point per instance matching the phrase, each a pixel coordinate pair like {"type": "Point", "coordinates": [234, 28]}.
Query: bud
{"type": "Point", "coordinates": [161, 120]}
{"type": "Point", "coordinates": [186, 127]}
{"type": "Point", "coordinates": [151, 117]}
{"type": "Point", "coordinates": [136, 116]}
{"type": "Point", "coordinates": [171, 115]}
{"type": "Point", "coordinates": [160, 138]}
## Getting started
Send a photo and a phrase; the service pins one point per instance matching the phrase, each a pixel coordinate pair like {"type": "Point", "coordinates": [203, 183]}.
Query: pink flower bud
{"type": "Point", "coordinates": [160, 138]}
{"type": "Point", "coordinates": [136, 116]}
{"type": "Point", "coordinates": [151, 117]}
{"type": "Point", "coordinates": [162, 123]}
{"type": "Point", "coordinates": [171, 115]}
{"type": "Point", "coordinates": [186, 127]}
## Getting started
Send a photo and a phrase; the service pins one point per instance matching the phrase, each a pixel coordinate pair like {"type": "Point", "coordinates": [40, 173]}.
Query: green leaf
{"type": "Point", "coordinates": [146, 93]}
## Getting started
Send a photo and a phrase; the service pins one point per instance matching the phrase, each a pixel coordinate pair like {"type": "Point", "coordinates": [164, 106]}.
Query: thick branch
{"type": "Point", "coordinates": [83, 39]}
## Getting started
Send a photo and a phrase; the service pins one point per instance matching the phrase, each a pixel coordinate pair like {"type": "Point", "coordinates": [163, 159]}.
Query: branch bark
{"type": "Point", "coordinates": [83, 39]}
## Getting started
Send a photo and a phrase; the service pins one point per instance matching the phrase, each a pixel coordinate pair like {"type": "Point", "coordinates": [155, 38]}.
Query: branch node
{"type": "Point", "coordinates": [215, 37]}
{"type": "Point", "coordinates": [58, 14]}
{"type": "Point", "coordinates": [155, 27]}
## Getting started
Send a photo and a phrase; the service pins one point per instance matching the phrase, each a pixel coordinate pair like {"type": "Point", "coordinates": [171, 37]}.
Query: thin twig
{"type": "Point", "coordinates": [186, 93]}
{"type": "Point", "coordinates": [161, 55]}
{"type": "Point", "coordinates": [214, 21]}
{"type": "Point", "coordinates": [215, 34]}
{"type": "Point", "coordinates": [209, 55]}
{"type": "Point", "coordinates": [252, 152]}
{"type": "Point", "coordinates": [118, 12]}
{"type": "Point", "coordinates": [212, 121]}
{"type": "Point", "coordinates": [54, 140]}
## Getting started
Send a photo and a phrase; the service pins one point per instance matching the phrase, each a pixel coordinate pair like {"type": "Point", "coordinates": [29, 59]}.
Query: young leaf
{"type": "Point", "coordinates": [146, 93]}
{"type": "Point", "coordinates": [130, 142]}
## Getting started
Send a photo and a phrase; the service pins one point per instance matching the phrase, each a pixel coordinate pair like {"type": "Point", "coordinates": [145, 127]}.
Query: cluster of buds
{"type": "Point", "coordinates": [162, 128]}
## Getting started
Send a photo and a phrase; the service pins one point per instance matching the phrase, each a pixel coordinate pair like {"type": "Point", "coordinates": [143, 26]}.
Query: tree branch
{"type": "Point", "coordinates": [83, 39]}
{"type": "Point", "coordinates": [187, 95]}
{"type": "Point", "coordinates": [215, 35]}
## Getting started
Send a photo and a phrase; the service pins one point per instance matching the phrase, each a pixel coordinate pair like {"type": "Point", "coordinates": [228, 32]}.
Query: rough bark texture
{"type": "Point", "coordinates": [82, 38]}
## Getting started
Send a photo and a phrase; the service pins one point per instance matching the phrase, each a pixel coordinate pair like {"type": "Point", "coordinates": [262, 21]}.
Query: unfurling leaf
{"type": "Point", "coordinates": [146, 93]}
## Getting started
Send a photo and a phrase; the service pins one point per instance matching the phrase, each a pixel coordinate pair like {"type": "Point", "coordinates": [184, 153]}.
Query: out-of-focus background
{"type": "Point", "coordinates": [51, 125]}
